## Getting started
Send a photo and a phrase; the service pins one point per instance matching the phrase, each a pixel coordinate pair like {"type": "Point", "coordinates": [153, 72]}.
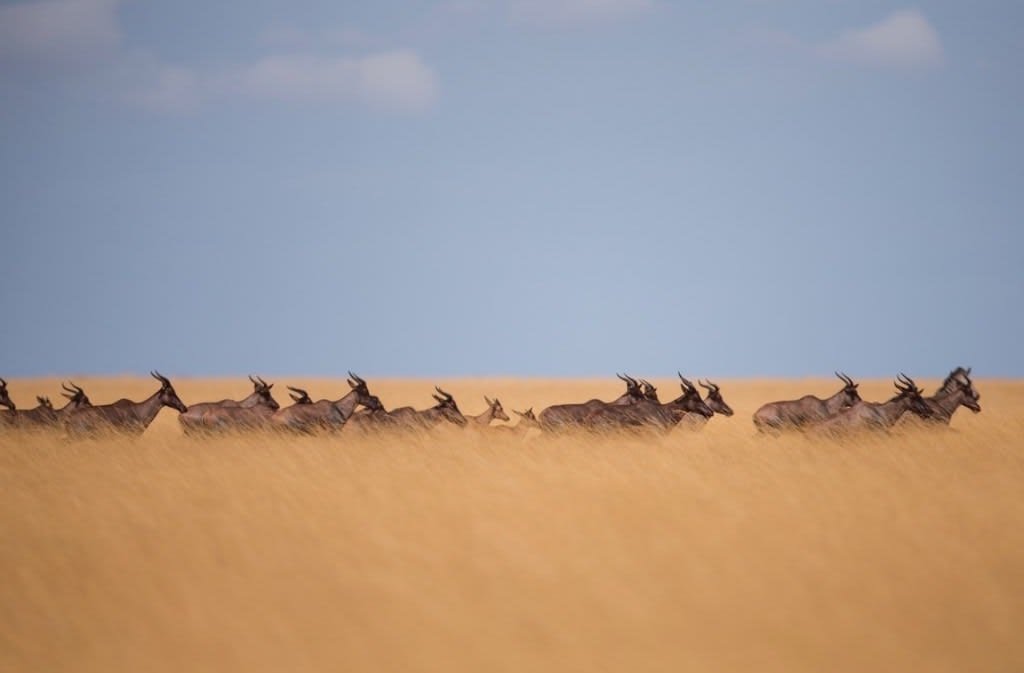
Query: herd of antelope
{"type": "Point", "coordinates": [638, 408]}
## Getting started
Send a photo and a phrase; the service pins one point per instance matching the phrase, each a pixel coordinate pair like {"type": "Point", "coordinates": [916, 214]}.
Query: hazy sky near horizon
{"type": "Point", "coordinates": [511, 187]}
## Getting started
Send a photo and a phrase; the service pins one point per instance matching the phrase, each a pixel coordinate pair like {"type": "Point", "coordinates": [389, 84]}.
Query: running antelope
{"type": "Point", "coordinates": [695, 421]}
{"type": "Point", "coordinates": [494, 411]}
{"type": "Point", "coordinates": [877, 415]}
{"type": "Point", "coordinates": [45, 416]}
{"type": "Point", "coordinates": [408, 418]}
{"type": "Point", "coordinates": [124, 416]}
{"type": "Point", "coordinates": [567, 416]}
{"type": "Point", "coordinates": [193, 420]}
{"type": "Point", "coordinates": [325, 414]}
{"type": "Point", "coordinates": [806, 410]}
{"type": "Point", "coordinates": [650, 415]}
{"type": "Point", "coordinates": [955, 392]}
{"type": "Point", "coordinates": [527, 421]}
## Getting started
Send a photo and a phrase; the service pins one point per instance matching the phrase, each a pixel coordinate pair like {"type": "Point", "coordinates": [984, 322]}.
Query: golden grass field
{"type": "Point", "coordinates": [711, 551]}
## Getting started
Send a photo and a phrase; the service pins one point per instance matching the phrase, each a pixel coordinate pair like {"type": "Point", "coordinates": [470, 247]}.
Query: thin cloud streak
{"type": "Point", "coordinates": [58, 32]}
{"type": "Point", "coordinates": [904, 39]}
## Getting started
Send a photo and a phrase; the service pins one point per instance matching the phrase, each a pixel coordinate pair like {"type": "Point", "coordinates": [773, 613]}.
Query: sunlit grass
{"type": "Point", "coordinates": [716, 550]}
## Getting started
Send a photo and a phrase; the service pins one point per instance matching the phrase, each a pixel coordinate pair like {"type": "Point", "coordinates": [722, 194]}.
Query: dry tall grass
{"type": "Point", "coordinates": [719, 550]}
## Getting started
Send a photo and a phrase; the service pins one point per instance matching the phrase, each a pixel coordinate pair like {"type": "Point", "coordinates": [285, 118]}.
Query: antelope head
{"type": "Point", "coordinates": [528, 417]}
{"type": "Point", "coordinates": [262, 388]}
{"type": "Point", "coordinates": [496, 410]}
{"type": "Point", "coordinates": [299, 396]}
{"type": "Point", "coordinates": [714, 399]}
{"type": "Point", "coordinates": [5, 399]}
{"type": "Point", "coordinates": [357, 384]}
{"type": "Point", "coordinates": [633, 388]}
{"type": "Point", "coordinates": [650, 392]}
{"type": "Point", "coordinates": [76, 396]}
{"type": "Point", "coordinates": [906, 388]}
{"type": "Point", "coordinates": [168, 397]}
{"type": "Point", "coordinates": [449, 409]}
{"type": "Point", "coordinates": [690, 400]}
{"type": "Point", "coordinates": [849, 391]}
{"type": "Point", "coordinates": [44, 402]}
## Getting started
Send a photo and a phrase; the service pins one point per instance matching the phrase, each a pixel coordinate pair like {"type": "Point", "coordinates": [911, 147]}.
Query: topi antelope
{"type": "Point", "coordinates": [877, 415]}
{"type": "Point", "coordinates": [5, 399]}
{"type": "Point", "coordinates": [408, 418]}
{"type": "Point", "coordinates": [567, 416]}
{"type": "Point", "coordinates": [494, 411]}
{"type": "Point", "coordinates": [193, 419]}
{"type": "Point", "coordinates": [955, 392]}
{"type": "Point", "coordinates": [695, 421]}
{"type": "Point", "coordinates": [806, 410]}
{"type": "Point", "coordinates": [299, 396]}
{"type": "Point", "coordinates": [123, 416]}
{"type": "Point", "coordinates": [650, 415]}
{"type": "Point", "coordinates": [45, 416]}
{"type": "Point", "coordinates": [325, 414]}
{"type": "Point", "coordinates": [527, 421]}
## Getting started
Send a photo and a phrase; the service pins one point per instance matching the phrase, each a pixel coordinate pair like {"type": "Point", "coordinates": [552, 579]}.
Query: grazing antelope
{"type": "Point", "coordinates": [955, 392]}
{"type": "Point", "coordinates": [123, 416]}
{"type": "Point", "coordinates": [806, 410]}
{"type": "Point", "coordinates": [567, 416]}
{"type": "Point", "coordinates": [192, 420]}
{"type": "Point", "coordinates": [694, 421]}
{"type": "Point", "coordinates": [877, 415]}
{"type": "Point", "coordinates": [45, 416]}
{"type": "Point", "coordinates": [325, 414]}
{"type": "Point", "coordinates": [494, 411]}
{"type": "Point", "coordinates": [650, 415]}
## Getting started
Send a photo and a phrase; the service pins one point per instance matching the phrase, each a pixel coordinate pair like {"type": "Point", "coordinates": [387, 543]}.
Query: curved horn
{"type": "Point", "coordinates": [73, 389]}
{"type": "Point", "coordinates": [438, 389]}
{"type": "Point", "coordinates": [3, 384]}
{"type": "Point", "coordinates": [357, 379]}
{"type": "Point", "coordinates": [160, 377]}
{"type": "Point", "coordinates": [254, 381]}
{"type": "Point", "coordinates": [685, 381]}
{"type": "Point", "coordinates": [297, 390]}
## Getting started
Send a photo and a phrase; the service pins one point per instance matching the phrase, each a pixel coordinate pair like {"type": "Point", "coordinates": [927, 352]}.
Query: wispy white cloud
{"type": "Point", "coordinates": [58, 31]}
{"type": "Point", "coordinates": [904, 39]}
{"type": "Point", "coordinates": [396, 80]}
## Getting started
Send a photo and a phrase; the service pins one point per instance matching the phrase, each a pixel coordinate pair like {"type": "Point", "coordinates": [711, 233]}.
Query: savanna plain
{"type": "Point", "coordinates": [715, 550]}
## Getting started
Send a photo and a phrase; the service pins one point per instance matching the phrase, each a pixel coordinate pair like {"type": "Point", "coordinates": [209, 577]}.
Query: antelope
{"type": "Point", "coordinates": [45, 416]}
{"type": "Point", "coordinates": [325, 414]}
{"type": "Point", "coordinates": [877, 415]}
{"type": "Point", "coordinates": [494, 411]}
{"type": "Point", "coordinates": [192, 420]}
{"type": "Point", "coordinates": [124, 416]}
{"type": "Point", "coordinates": [651, 415]}
{"type": "Point", "coordinates": [955, 392]}
{"type": "Point", "coordinates": [5, 400]}
{"type": "Point", "coordinates": [299, 396]}
{"type": "Point", "coordinates": [565, 416]}
{"type": "Point", "coordinates": [806, 410]}
{"type": "Point", "coordinates": [408, 418]}
{"type": "Point", "coordinates": [694, 421]}
{"type": "Point", "coordinates": [527, 420]}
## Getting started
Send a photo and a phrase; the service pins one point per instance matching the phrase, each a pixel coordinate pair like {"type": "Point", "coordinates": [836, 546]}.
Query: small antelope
{"type": "Point", "coordinates": [494, 411]}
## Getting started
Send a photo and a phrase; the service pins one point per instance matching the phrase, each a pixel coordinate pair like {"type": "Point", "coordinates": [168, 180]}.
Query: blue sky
{"type": "Point", "coordinates": [511, 187]}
